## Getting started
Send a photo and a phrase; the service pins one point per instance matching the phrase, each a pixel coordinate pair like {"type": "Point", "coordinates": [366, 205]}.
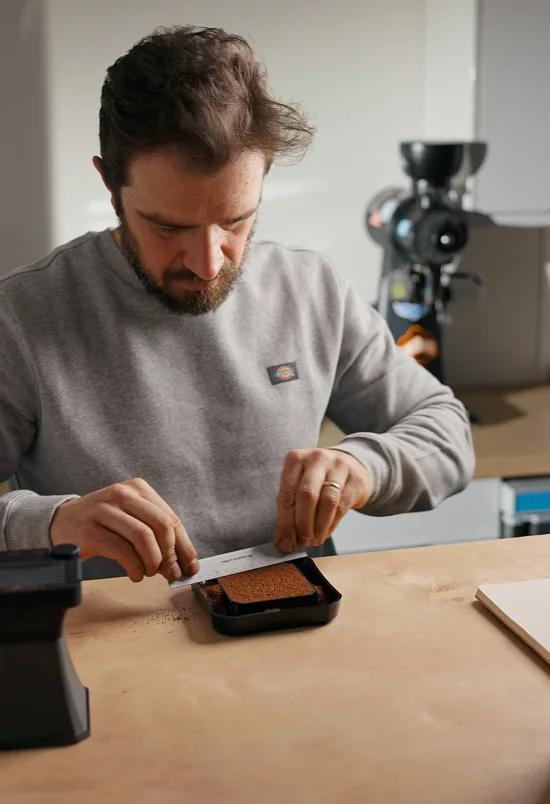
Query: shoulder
{"type": "Point", "coordinates": [295, 267]}
{"type": "Point", "coordinates": [22, 280]}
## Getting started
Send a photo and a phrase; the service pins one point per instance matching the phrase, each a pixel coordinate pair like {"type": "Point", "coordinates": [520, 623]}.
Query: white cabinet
{"type": "Point", "coordinates": [486, 77]}
{"type": "Point", "coordinates": [472, 515]}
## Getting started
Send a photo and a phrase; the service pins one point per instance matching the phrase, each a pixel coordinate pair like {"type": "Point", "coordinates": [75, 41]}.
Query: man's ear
{"type": "Point", "coordinates": [98, 164]}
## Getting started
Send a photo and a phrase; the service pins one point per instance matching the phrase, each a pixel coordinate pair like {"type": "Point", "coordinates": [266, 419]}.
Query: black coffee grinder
{"type": "Point", "coordinates": [42, 701]}
{"type": "Point", "coordinates": [423, 232]}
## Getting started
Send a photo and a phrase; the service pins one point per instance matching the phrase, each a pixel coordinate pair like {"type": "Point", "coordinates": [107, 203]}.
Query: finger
{"type": "Point", "coordinates": [307, 499]}
{"type": "Point", "coordinates": [163, 525]}
{"type": "Point", "coordinates": [179, 554]}
{"type": "Point", "coordinates": [347, 501]}
{"type": "Point", "coordinates": [134, 530]}
{"type": "Point", "coordinates": [331, 501]}
{"type": "Point", "coordinates": [111, 545]}
{"type": "Point", "coordinates": [292, 471]}
{"type": "Point", "coordinates": [187, 556]}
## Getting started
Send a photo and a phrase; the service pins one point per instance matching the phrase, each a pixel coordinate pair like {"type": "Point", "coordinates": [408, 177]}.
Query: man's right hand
{"type": "Point", "coordinates": [130, 523]}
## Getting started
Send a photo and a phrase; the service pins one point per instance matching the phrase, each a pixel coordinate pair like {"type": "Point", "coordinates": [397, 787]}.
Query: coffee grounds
{"type": "Point", "coordinates": [322, 593]}
{"type": "Point", "coordinates": [267, 583]}
{"type": "Point", "coordinates": [216, 597]}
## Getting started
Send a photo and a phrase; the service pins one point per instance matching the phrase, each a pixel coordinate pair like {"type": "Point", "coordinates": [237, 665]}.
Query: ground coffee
{"type": "Point", "coordinates": [321, 593]}
{"type": "Point", "coordinates": [267, 583]}
{"type": "Point", "coordinates": [216, 597]}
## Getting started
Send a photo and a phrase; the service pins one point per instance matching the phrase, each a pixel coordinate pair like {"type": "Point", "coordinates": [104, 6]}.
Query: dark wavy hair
{"type": "Point", "coordinates": [200, 90]}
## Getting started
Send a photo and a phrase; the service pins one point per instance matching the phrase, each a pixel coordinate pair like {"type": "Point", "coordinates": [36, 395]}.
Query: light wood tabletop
{"type": "Point", "coordinates": [513, 438]}
{"type": "Point", "coordinates": [414, 694]}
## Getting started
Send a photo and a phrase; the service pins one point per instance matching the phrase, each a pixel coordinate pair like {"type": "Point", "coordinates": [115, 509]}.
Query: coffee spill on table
{"type": "Point", "coordinates": [165, 617]}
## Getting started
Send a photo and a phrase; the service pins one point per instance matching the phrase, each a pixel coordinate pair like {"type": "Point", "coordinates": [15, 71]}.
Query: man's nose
{"type": "Point", "coordinates": [204, 256]}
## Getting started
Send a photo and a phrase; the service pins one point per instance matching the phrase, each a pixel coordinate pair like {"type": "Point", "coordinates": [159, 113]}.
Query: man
{"type": "Point", "coordinates": [162, 385]}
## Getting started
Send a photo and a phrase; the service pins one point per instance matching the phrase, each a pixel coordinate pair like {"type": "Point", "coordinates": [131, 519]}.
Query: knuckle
{"type": "Point", "coordinates": [101, 509]}
{"type": "Point", "coordinates": [169, 556]}
{"type": "Point", "coordinates": [306, 538]}
{"type": "Point", "coordinates": [293, 459]}
{"type": "Point", "coordinates": [309, 457]}
{"type": "Point", "coordinates": [186, 547]}
{"type": "Point", "coordinates": [332, 498]}
{"type": "Point", "coordinates": [139, 482]}
{"type": "Point", "coordinates": [307, 493]}
{"type": "Point", "coordinates": [141, 534]}
{"type": "Point", "coordinates": [120, 492]}
{"type": "Point", "coordinates": [168, 522]}
{"type": "Point", "coordinates": [174, 520]}
{"type": "Point", "coordinates": [319, 539]}
{"type": "Point", "coordinates": [286, 498]}
{"type": "Point", "coordinates": [338, 461]}
{"type": "Point", "coordinates": [342, 508]}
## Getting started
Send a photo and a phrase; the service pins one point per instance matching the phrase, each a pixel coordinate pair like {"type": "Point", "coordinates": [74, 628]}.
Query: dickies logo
{"type": "Point", "coordinates": [285, 372]}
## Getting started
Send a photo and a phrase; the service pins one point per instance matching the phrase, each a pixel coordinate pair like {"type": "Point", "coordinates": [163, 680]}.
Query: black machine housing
{"type": "Point", "coordinates": [42, 701]}
{"type": "Point", "coordinates": [423, 231]}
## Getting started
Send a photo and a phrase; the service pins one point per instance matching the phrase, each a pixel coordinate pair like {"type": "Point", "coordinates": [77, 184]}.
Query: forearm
{"type": "Point", "coordinates": [25, 519]}
{"type": "Point", "coordinates": [420, 461]}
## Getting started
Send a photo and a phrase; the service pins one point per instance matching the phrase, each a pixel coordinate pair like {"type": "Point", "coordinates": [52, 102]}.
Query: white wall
{"type": "Point", "coordinates": [514, 109]}
{"type": "Point", "coordinates": [356, 67]}
{"type": "Point", "coordinates": [450, 49]}
{"type": "Point", "coordinates": [24, 170]}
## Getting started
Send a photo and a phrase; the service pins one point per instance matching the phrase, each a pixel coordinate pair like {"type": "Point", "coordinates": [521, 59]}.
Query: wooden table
{"type": "Point", "coordinates": [413, 695]}
{"type": "Point", "coordinates": [513, 439]}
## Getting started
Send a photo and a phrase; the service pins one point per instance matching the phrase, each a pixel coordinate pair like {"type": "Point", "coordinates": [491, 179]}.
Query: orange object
{"type": "Point", "coordinates": [420, 344]}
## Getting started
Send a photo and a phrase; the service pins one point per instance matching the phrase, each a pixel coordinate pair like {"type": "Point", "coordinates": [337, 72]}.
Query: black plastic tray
{"type": "Point", "coordinates": [275, 619]}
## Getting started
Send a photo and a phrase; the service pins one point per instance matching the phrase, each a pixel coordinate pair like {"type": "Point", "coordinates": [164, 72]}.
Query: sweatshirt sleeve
{"type": "Point", "coordinates": [400, 422]}
{"type": "Point", "coordinates": [25, 516]}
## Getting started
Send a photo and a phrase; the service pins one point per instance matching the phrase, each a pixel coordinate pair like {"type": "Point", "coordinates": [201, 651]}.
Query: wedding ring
{"type": "Point", "coordinates": [333, 484]}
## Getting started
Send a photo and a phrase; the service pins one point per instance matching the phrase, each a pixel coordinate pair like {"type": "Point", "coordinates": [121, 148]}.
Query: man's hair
{"type": "Point", "coordinates": [199, 90]}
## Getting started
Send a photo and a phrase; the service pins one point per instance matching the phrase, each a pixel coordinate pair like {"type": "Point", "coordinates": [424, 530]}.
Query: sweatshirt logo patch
{"type": "Point", "coordinates": [285, 372]}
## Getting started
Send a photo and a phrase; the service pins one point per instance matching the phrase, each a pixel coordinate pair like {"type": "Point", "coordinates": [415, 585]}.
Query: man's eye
{"type": "Point", "coordinates": [232, 227]}
{"type": "Point", "coordinates": [167, 231]}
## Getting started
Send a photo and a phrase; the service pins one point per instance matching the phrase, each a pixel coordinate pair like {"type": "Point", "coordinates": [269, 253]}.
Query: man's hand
{"type": "Point", "coordinates": [130, 523]}
{"type": "Point", "coordinates": [308, 510]}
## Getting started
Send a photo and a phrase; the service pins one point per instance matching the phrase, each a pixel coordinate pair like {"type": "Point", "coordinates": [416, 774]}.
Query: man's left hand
{"type": "Point", "coordinates": [318, 487]}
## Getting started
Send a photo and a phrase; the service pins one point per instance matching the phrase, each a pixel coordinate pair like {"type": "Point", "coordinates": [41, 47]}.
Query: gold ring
{"type": "Point", "coordinates": [333, 484]}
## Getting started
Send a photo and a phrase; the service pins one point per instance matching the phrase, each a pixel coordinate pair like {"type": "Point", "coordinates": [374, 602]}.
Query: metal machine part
{"type": "Point", "coordinates": [42, 702]}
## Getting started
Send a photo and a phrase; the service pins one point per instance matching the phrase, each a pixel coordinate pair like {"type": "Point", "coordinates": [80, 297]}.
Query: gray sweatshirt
{"type": "Point", "coordinates": [99, 383]}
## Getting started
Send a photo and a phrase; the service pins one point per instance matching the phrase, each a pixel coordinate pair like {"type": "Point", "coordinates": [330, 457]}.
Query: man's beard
{"type": "Point", "coordinates": [196, 302]}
